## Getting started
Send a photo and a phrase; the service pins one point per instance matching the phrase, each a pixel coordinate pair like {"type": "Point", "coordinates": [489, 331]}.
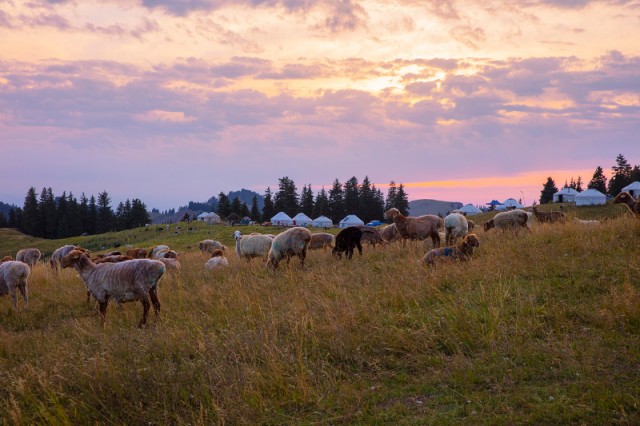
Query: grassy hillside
{"type": "Point", "coordinates": [539, 328]}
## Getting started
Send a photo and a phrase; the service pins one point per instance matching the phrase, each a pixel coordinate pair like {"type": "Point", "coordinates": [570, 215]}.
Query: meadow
{"type": "Point", "coordinates": [538, 328]}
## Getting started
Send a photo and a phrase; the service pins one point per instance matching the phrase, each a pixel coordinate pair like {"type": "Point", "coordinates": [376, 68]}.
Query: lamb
{"type": "Point", "coordinates": [292, 242]}
{"type": "Point", "coordinates": [390, 233]}
{"type": "Point", "coordinates": [460, 252]}
{"type": "Point", "coordinates": [30, 256]}
{"type": "Point", "coordinates": [137, 253]}
{"type": "Point", "coordinates": [254, 245]}
{"type": "Point", "coordinates": [455, 226]}
{"type": "Point", "coordinates": [371, 236]}
{"type": "Point", "coordinates": [124, 281]}
{"type": "Point", "coordinates": [61, 252]}
{"type": "Point", "coordinates": [512, 219]}
{"type": "Point", "coordinates": [321, 240]}
{"type": "Point", "coordinates": [208, 246]}
{"type": "Point", "coordinates": [627, 199]}
{"type": "Point", "coordinates": [13, 276]}
{"type": "Point", "coordinates": [346, 240]}
{"type": "Point", "coordinates": [416, 228]}
{"type": "Point", "coordinates": [549, 217]}
{"type": "Point", "coordinates": [217, 261]}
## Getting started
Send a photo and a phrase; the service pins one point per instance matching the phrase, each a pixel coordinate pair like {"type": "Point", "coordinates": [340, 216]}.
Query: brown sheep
{"type": "Point", "coordinates": [628, 200]}
{"type": "Point", "coordinates": [371, 236]}
{"type": "Point", "coordinates": [512, 219]}
{"type": "Point", "coordinates": [416, 228]}
{"type": "Point", "coordinates": [460, 252]}
{"type": "Point", "coordinates": [114, 258]}
{"type": "Point", "coordinates": [549, 217]}
{"type": "Point", "coordinates": [321, 240]}
{"type": "Point", "coordinates": [137, 253]}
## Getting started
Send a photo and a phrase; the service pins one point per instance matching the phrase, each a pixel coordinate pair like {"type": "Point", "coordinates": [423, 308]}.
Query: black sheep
{"type": "Point", "coordinates": [348, 239]}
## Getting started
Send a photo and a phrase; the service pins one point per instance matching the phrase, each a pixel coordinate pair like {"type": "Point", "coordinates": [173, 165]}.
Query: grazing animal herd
{"type": "Point", "coordinates": [134, 275]}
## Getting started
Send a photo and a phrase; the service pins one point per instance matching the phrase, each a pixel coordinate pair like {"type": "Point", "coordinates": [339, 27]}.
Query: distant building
{"type": "Point", "coordinates": [565, 195]}
{"type": "Point", "coordinates": [209, 217]}
{"type": "Point", "coordinates": [281, 219]}
{"type": "Point", "coordinates": [633, 189]}
{"type": "Point", "coordinates": [590, 197]}
{"type": "Point", "coordinates": [302, 219]}
{"type": "Point", "coordinates": [351, 220]}
{"type": "Point", "coordinates": [512, 203]}
{"type": "Point", "coordinates": [470, 209]}
{"type": "Point", "coordinates": [322, 222]}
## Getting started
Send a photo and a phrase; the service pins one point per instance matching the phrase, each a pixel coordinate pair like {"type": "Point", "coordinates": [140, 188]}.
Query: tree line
{"type": "Point", "coordinates": [622, 174]}
{"type": "Point", "coordinates": [48, 216]}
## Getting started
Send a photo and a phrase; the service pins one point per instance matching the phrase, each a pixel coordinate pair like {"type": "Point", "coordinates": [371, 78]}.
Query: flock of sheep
{"type": "Point", "coordinates": [135, 275]}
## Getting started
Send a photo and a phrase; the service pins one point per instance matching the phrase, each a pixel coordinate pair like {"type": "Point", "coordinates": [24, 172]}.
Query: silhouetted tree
{"type": "Point", "coordinates": [31, 224]}
{"type": "Point", "coordinates": [105, 221]}
{"type": "Point", "coordinates": [286, 199]}
{"type": "Point", "coordinates": [549, 188]}
{"type": "Point", "coordinates": [351, 196]}
{"type": "Point", "coordinates": [321, 205]}
{"type": "Point", "coordinates": [336, 208]}
{"type": "Point", "coordinates": [402, 201]}
{"type": "Point", "coordinates": [268, 210]}
{"type": "Point", "coordinates": [254, 214]}
{"type": "Point", "coordinates": [621, 175]}
{"type": "Point", "coordinates": [598, 181]}
{"type": "Point", "coordinates": [306, 200]}
{"type": "Point", "coordinates": [224, 205]}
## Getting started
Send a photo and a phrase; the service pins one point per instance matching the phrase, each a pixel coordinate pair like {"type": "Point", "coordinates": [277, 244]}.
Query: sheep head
{"type": "Point", "coordinates": [237, 235]}
{"type": "Point", "coordinates": [392, 213]}
{"type": "Point", "coordinates": [471, 240]}
{"type": "Point", "coordinates": [488, 225]}
{"type": "Point", "coordinates": [217, 253]}
{"type": "Point", "coordinates": [72, 258]}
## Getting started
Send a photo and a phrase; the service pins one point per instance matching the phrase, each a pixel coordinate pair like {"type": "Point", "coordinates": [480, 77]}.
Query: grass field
{"type": "Point", "coordinates": [539, 328]}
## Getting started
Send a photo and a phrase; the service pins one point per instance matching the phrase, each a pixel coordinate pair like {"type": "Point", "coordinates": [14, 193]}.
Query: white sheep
{"type": "Point", "coordinates": [455, 226]}
{"type": "Point", "coordinates": [30, 256]}
{"type": "Point", "coordinates": [292, 242]}
{"type": "Point", "coordinates": [512, 219]}
{"type": "Point", "coordinates": [61, 252]}
{"type": "Point", "coordinates": [390, 233]}
{"type": "Point", "coordinates": [416, 228]}
{"type": "Point", "coordinates": [321, 240]}
{"type": "Point", "coordinates": [217, 261]}
{"type": "Point", "coordinates": [253, 245]}
{"type": "Point", "coordinates": [13, 276]}
{"type": "Point", "coordinates": [154, 251]}
{"type": "Point", "coordinates": [128, 281]}
{"type": "Point", "coordinates": [165, 254]}
{"type": "Point", "coordinates": [207, 246]}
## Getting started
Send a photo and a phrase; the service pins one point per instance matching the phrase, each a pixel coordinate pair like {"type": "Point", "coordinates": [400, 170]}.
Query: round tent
{"type": "Point", "coordinates": [322, 222]}
{"type": "Point", "coordinates": [351, 220]}
{"type": "Point", "coordinates": [511, 203]}
{"type": "Point", "coordinates": [633, 189]}
{"type": "Point", "coordinates": [565, 195]}
{"type": "Point", "coordinates": [281, 219]}
{"type": "Point", "coordinates": [302, 219]}
{"type": "Point", "coordinates": [470, 209]}
{"type": "Point", "coordinates": [591, 197]}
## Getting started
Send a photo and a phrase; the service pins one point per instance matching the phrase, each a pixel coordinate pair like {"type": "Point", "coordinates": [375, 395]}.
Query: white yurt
{"type": "Point", "coordinates": [590, 197]}
{"type": "Point", "coordinates": [302, 219]}
{"type": "Point", "coordinates": [633, 189]}
{"type": "Point", "coordinates": [351, 220]}
{"type": "Point", "coordinates": [208, 217]}
{"type": "Point", "coordinates": [512, 203]}
{"type": "Point", "coordinates": [565, 195]}
{"type": "Point", "coordinates": [281, 219]}
{"type": "Point", "coordinates": [470, 209]}
{"type": "Point", "coordinates": [322, 222]}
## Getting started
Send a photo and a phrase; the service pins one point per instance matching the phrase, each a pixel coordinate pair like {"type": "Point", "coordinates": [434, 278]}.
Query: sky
{"type": "Point", "coordinates": [172, 101]}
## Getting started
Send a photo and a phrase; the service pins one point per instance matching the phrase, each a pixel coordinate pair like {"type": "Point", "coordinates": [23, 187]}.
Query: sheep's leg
{"type": "Point", "coordinates": [359, 246]}
{"type": "Point", "coordinates": [25, 295]}
{"type": "Point", "coordinates": [145, 310]}
{"type": "Point", "coordinates": [88, 297]}
{"type": "Point", "coordinates": [153, 294]}
{"type": "Point", "coordinates": [436, 240]}
{"type": "Point", "coordinates": [103, 309]}
{"type": "Point", "coordinates": [14, 298]}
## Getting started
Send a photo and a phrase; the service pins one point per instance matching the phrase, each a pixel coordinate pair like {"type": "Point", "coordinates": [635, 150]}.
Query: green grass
{"type": "Point", "coordinates": [540, 328]}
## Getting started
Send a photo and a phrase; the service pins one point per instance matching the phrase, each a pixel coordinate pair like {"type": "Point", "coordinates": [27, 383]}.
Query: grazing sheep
{"type": "Point", "coordinates": [172, 263]}
{"type": "Point", "coordinates": [321, 240]}
{"type": "Point", "coordinates": [61, 252]}
{"type": "Point", "coordinates": [455, 226]}
{"type": "Point", "coordinates": [113, 258]}
{"type": "Point", "coordinates": [549, 217]}
{"type": "Point", "coordinates": [13, 276]}
{"type": "Point", "coordinates": [208, 246]}
{"type": "Point", "coordinates": [348, 239]}
{"type": "Point", "coordinates": [124, 281]}
{"type": "Point", "coordinates": [513, 219]}
{"type": "Point", "coordinates": [471, 224]}
{"type": "Point", "coordinates": [390, 233]}
{"type": "Point", "coordinates": [253, 245]}
{"type": "Point", "coordinates": [165, 254]}
{"type": "Point", "coordinates": [416, 228]}
{"type": "Point", "coordinates": [371, 235]}
{"type": "Point", "coordinates": [217, 261]}
{"type": "Point", "coordinates": [154, 251]}
{"type": "Point", "coordinates": [30, 256]}
{"type": "Point", "coordinates": [292, 242]}
{"type": "Point", "coordinates": [460, 252]}
{"type": "Point", "coordinates": [627, 199]}
{"type": "Point", "coordinates": [137, 253]}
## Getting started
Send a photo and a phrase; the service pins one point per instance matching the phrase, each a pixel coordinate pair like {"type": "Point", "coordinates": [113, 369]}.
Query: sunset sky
{"type": "Point", "coordinates": [172, 101]}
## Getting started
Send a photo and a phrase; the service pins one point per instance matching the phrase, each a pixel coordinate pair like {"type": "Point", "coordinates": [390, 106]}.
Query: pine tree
{"type": "Point", "coordinates": [30, 223]}
{"type": "Point", "coordinates": [224, 205]}
{"type": "Point", "coordinates": [598, 181]}
{"type": "Point", "coordinates": [244, 210]}
{"type": "Point", "coordinates": [62, 218]}
{"type": "Point", "coordinates": [392, 193]}
{"type": "Point", "coordinates": [366, 201]}
{"type": "Point", "coordinates": [92, 217]}
{"type": "Point", "coordinates": [402, 201]}
{"type": "Point", "coordinates": [105, 217]}
{"type": "Point", "coordinates": [321, 205]}
{"type": "Point", "coordinates": [635, 174]}
{"type": "Point", "coordinates": [578, 185]}
{"type": "Point", "coordinates": [139, 215]}
{"type": "Point", "coordinates": [306, 200]}
{"type": "Point", "coordinates": [254, 214]}
{"type": "Point", "coordinates": [4, 222]}
{"type": "Point", "coordinates": [268, 210]}
{"type": "Point", "coordinates": [621, 175]}
{"type": "Point", "coordinates": [48, 213]}
{"type": "Point", "coordinates": [351, 197]}
{"type": "Point", "coordinates": [286, 199]}
{"type": "Point", "coordinates": [73, 216]}
{"type": "Point", "coordinates": [549, 188]}
{"type": "Point", "coordinates": [335, 204]}
{"type": "Point", "coordinates": [236, 206]}
{"type": "Point", "coordinates": [378, 204]}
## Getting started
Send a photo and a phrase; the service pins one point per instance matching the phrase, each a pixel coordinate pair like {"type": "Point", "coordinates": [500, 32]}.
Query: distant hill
{"type": "Point", "coordinates": [422, 207]}
{"type": "Point", "coordinates": [4, 208]}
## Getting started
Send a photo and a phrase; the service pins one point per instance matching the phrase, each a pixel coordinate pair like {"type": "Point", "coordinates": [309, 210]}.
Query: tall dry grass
{"type": "Point", "coordinates": [537, 328]}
